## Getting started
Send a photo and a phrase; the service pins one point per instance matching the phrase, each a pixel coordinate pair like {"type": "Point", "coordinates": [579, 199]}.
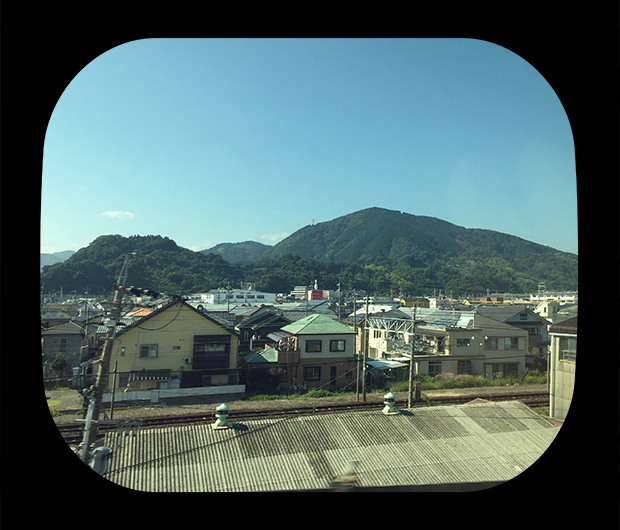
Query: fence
{"type": "Point", "coordinates": [154, 396]}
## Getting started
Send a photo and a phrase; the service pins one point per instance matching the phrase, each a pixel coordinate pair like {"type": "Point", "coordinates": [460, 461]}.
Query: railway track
{"type": "Point", "coordinates": [73, 433]}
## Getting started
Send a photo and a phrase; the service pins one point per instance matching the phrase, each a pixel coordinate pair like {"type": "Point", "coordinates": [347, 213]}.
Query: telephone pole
{"type": "Point", "coordinates": [365, 353]}
{"type": "Point", "coordinates": [411, 365]}
{"type": "Point", "coordinates": [94, 407]}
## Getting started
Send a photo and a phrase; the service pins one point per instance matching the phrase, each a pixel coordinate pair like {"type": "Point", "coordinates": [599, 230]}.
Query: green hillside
{"type": "Point", "coordinates": [160, 264]}
{"type": "Point", "coordinates": [377, 250]}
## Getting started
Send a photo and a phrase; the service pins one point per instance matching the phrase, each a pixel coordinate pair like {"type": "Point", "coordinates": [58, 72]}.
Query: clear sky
{"type": "Point", "coordinates": [209, 141]}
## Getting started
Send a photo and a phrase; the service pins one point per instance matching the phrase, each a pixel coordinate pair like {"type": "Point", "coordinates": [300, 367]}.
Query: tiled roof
{"type": "Point", "coordinates": [427, 445]}
{"type": "Point", "coordinates": [565, 326]}
{"type": "Point", "coordinates": [317, 325]}
{"type": "Point", "coordinates": [70, 328]}
{"type": "Point", "coordinates": [223, 324]}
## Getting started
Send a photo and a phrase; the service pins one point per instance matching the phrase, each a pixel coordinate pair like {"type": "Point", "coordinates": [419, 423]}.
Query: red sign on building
{"type": "Point", "coordinates": [316, 295]}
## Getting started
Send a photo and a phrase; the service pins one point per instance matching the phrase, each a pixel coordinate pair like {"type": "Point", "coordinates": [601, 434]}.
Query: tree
{"type": "Point", "coordinates": [59, 363]}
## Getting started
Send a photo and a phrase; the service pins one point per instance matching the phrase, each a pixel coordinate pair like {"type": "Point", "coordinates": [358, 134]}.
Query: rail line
{"type": "Point", "coordinates": [73, 433]}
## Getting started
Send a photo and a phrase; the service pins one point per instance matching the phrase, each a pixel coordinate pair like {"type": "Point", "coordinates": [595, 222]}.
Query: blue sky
{"type": "Point", "coordinates": [225, 140]}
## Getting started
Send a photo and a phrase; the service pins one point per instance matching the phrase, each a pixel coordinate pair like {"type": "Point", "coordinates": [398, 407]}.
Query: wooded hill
{"type": "Point", "coordinates": [376, 250]}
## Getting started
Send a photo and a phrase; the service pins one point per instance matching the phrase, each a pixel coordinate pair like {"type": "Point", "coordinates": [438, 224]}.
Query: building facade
{"type": "Point", "coordinates": [457, 342]}
{"type": "Point", "coordinates": [313, 352]}
{"type": "Point", "coordinates": [562, 366]}
{"type": "Point", "coordinates": [176, 346]}
{"type": "Point", "coordinates": [238, 296]}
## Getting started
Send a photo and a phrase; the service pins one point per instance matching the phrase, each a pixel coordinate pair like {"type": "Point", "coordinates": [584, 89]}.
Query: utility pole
{"type": "Point", "coordinates": [357, 359]}
{"type": "Point", "coordinates": [339, 301]}
{"type": "Point", "coordinates": [411, 365]}
{"type": "Point", "coordinates": [365, 353]}
{"type": "Point", "coordinates": [94, 407]}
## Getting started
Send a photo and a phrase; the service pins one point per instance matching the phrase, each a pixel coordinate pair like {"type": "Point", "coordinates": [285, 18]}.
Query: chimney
{"type": "Point", "coordinates": [390, 401]}
{"type": "Point", "coordinates": [221, 413]}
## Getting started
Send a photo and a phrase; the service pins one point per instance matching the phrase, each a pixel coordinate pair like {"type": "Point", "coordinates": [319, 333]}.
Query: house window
{"type": "Point", "coordinates": [491, 344]}
{"type": "Point", "coordinates": [511, 343]}
{"type": "Point", "coordinates": [314, 345]}
{"type": "Point", "coordinates": [462, 342]}
{"type": "Point", "coordinates": [434, 368]}
{"type": "Point", "coordinates": [336, 345]}
{"type": "Point", "coordinates": [211, 352]}
{"type": "Point", "coordinates": [568, 349]}
{"type": "Point", "coordinates": [464, 367]}
{"type": "Point", "coordinates": [62, 348]}
{"type": "Point", "coordinates": [312, 373]}
{"type": "Point", "coordinates": [148, 350]}
{"type": "Point", "coordinates": [122, 351]}
{"type": "Point", "coordinates": [522, 316]}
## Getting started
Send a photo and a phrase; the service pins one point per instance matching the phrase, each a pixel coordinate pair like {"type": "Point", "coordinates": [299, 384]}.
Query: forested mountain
{"type": "Point", "coordinates": [241, 253]}
{"type": "Point", "coordinates": [159, 264]}
{"type": "Point", "coordinates": [375, 250]}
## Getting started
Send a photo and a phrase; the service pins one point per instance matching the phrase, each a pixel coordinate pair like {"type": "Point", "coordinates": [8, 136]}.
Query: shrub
{"type": "Point", "coordinates": [464, 377]}
{"type": "Point", "coordinates": [318, 393]}
{"type": "Point", "coordinates": [443, 376]}
{"type": "Point", "coordinates": [399, 386]}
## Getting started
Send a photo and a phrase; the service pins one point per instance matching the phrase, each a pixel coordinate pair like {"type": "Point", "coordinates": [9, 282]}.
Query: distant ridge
{"type": "Point", "coordinates": [376, 250]}
{"type": "Point", "coordinates": [380, 233]}
{"type": "Point", "coordinates": [55, 257]}
{"type": "Point", "coordinates": [240, 253]}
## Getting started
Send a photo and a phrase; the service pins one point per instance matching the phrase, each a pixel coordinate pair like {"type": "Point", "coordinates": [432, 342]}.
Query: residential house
{"type": "Point", "coordinates": [523, 317]}
{"type": "Point", "coordinates": [51, 317]}
{"type": "Point", "coordinates": [68, 339]}
{"type": "Point", "coordinates": [175, 346]}
{"type": "Point", "coordinates": [562, 366]}
{"type": "Point", "coordinates": [458, 342]}
{"type": "Point", "coordinates": [419, 301]}
{"type": "Point", "coordinates": [253, 330]}
{"type": "Point", "coordinates": [315, 352]}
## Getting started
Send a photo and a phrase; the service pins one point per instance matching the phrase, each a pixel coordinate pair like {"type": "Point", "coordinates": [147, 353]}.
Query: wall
{"type": "Point", "coordinates": [228, 392]}
{"type": "Point", "coordinates": [561, 381]}
{"type": "Point", "coordinates": [327, 361]}
{"type": "Point", "coordinates": [325, 351]}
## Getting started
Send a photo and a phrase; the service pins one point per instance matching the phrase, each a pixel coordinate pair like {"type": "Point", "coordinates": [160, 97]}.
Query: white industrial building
{"type": "Point", "coordinates": [237, 296]}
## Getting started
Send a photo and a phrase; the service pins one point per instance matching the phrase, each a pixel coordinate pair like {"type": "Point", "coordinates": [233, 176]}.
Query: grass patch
{"type": "Point", "coordinates": [315, 393]}
{"type": "Point", "coordinates": [443, 381]}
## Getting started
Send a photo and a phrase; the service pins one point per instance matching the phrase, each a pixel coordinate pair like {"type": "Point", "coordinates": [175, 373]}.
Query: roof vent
{"type": "Point", "coordinates": [221, 413]}
{"type": "Point", "coordinates": [390, 401]}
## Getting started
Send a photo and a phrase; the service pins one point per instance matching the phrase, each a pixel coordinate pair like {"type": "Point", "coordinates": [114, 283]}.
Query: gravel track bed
{"type": "Point", "coordinates": [198, 408]}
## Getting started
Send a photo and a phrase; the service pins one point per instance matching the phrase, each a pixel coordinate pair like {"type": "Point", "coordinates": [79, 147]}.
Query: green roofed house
{"type": "Point", "coordinates": [315, 352]}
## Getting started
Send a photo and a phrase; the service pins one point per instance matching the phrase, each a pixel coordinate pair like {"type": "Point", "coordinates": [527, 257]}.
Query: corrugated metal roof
{"type": "Point", "coordinates": [268, 355]}
{"type": "Point", "coordinates": [434, 445]}
{"type": "Point", "coordinates": [383, 364]}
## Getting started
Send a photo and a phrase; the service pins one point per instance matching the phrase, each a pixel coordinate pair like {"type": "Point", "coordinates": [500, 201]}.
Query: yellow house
{"type": "Point", "coordinates": [176, 346]}
{"type": "Point", "coordinates": [410, 302]}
